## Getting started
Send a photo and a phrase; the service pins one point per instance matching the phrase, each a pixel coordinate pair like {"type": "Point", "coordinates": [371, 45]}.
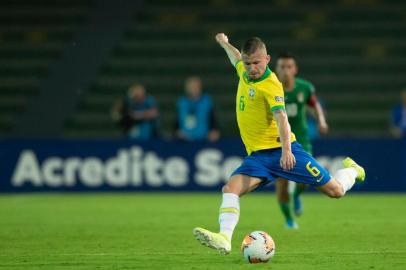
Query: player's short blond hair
{"type": "Point", "coordinates": [252, 45]}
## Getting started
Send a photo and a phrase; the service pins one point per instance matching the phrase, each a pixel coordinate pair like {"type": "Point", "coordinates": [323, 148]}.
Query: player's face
{"type": "Point", "coordinates": [193, 87]}
{"type": "Point", "coordinates": [137, 92]}
{"type": "Point", "coordinates": [255, 64]}
{"type": "Point", "coordinates": [286, 69]}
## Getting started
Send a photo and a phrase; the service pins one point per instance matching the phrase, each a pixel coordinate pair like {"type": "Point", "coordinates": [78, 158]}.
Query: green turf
{"type": "Point", "coordinates": [154, 231]}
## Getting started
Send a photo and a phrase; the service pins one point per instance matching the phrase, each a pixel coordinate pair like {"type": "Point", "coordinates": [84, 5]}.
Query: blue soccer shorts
{"type": "Point", "coordinates": [265, 164]}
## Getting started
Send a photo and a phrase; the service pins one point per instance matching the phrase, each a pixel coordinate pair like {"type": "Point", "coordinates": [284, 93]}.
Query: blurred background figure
{"type": "Point", "coordinates": [300, 100]}
{"type": "Point", "coordinates": [398, 118]}
{"type": "Point", "coordinates": [195, 114]}
{"type": "Point", "coordinates": [137, 114]}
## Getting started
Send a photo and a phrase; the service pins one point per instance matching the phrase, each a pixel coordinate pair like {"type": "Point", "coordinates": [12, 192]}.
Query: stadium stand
{"type": "Point", "coordinates": [32, 35]}
{"type": "Point", "coordinates": [353, 52]}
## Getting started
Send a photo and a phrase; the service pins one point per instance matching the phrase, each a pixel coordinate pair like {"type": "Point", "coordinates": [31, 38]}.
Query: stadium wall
{"type": "Point", "coordinates": [124, 165]}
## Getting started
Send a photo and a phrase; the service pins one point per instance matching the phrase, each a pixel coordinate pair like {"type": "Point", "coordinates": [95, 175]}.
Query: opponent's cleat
{"type": "Point", "coordinates": [297, 205]}
{"type": "Point", "coordinates": [349, 163]}
{"type": "Point", "coordinates": [291, 224]}
{"type": "Point", "coordinates": [216, 241]}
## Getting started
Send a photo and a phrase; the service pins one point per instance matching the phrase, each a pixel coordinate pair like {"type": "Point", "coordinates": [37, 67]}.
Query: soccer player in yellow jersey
{"type": "Point", "coordinates": [273, 152]}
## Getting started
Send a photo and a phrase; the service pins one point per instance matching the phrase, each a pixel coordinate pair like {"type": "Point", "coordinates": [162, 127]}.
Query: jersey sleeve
{"type": "Point", "coordinates": [275, 97]}
{"type": "Point", "coordinates": [239, 66]}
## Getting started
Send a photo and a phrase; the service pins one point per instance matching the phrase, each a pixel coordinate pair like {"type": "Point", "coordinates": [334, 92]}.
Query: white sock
{"type": "Point", "coordinates": [229, 214]}
{"type": "Point", "coordinates": [346, 177]}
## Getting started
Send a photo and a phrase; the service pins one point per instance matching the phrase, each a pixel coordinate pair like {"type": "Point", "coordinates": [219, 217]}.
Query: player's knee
{"type": "Point", "coordinates": [336, 193]}
{"type": "Point", "coordinates": [228, 189]}
{"type": "Point", "coordinates": [333, 189]}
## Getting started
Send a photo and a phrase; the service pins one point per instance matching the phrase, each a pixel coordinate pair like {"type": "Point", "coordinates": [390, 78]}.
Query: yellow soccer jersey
{"type": "Point", "coordinates": [255, 101]}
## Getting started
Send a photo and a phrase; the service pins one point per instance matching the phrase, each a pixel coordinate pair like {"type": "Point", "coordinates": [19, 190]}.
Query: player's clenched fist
{"type": "Point", "coordinates": [221, 38]}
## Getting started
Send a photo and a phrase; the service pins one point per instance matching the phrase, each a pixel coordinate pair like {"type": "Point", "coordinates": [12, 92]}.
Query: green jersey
{"type": "Point", "coordinates": [296, 101]}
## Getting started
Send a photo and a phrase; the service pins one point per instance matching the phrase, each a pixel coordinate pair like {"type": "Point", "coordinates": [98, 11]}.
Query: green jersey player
{"type": "Point", "coordinates": [299, 95]}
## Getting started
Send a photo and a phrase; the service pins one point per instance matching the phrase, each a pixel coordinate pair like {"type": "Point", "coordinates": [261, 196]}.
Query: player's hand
{"type": "Point", "coordinates": [221, 38]}
{"type": "Point", "coordinates": [323, 128]}
{"type": "Point", "coordinates": [288, 160]}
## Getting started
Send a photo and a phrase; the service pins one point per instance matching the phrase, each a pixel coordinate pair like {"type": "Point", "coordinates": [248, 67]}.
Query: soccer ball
{"type": "Point", "coordinates": [258, 247]}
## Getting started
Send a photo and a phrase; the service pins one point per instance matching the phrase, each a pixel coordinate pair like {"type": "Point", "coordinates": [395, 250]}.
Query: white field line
{"type": "Point", "coordinates": [196, 253]}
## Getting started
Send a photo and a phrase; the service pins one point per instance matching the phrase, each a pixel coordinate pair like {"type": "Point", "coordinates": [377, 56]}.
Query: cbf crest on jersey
{"type": "Point", "coordinates": [300, 97]}
{"type": "Point", "coordinates": [251, 93]}
{"type": "Point", "coordinates": [278, 99]}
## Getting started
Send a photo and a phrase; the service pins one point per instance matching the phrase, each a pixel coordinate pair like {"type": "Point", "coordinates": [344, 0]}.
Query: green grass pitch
{"type": "Point", "coordinates": [154, 231]}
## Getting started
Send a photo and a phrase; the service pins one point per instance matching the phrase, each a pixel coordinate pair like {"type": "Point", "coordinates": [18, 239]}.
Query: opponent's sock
{"type": "Point", "coordinates": [286, 211]}
{"type": "Point", "coordinates": [298, 190]}
{"type": "Point", "coordinates": [229, 214]}
{"type": "Point", "coordinates": [346, 177]}
{"type": "Point", "coordinates": [297, 201]}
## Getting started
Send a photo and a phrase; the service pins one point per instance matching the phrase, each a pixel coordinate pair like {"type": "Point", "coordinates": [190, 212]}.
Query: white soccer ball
{"type": "Point", "coordinates": [258, 247]}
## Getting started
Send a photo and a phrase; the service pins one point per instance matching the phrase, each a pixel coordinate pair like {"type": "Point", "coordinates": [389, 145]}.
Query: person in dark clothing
{"type": "Point", "coordinates": [137, 114]}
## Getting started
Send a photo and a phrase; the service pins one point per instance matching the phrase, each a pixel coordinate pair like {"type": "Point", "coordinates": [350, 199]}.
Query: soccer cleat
{"type": "Point", "coordinates": [291, 224]}
{"type": "Point", "coordinates": [212, 240]}
{"type": "Point", "coordinates": [297, 205]}
{"type": "Point", "coordinates": [349, 163]}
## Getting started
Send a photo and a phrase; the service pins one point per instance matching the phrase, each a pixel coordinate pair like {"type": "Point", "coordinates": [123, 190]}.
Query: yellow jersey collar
{"type": "Point", "coordinates": [263, 77]}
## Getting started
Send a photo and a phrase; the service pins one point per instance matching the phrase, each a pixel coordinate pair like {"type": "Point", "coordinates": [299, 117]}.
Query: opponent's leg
{"type": "Point", "coordinates": [229, 213]}
{"type": "Point", "coordinates": [297, 200]}
{"type": "Point", "coordinates": [300, 187]}
{"type": "Point", "coordinates": [282, 192]}
{"type": "Point", "coordinates": [344, 179]}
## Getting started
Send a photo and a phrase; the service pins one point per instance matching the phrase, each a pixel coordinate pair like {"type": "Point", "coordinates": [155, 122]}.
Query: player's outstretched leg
{"type": "Point", "coordinates": [229, 214]}
{"type": "Point", "coordinates": [282, 192]}
{"type": "Point", "coordinates": [344, 179]}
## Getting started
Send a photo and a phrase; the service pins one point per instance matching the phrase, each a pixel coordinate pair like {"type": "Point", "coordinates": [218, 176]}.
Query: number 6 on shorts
{"type": "Point", "coordinates": [313, 170]}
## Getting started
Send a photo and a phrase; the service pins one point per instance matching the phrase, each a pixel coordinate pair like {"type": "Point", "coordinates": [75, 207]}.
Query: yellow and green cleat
{"type": "Point", "coordinates": [349, 163]}
{"type": "Point", "coordinates": [212, 240]}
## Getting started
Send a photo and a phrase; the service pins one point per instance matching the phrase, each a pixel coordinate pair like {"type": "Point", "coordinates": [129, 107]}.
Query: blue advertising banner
{"type": "Point", "coordinates": [383, 159]}
{"type": "Point", "coordinates": [122, 165]}
{"type": "Point", "coordinates": [116, 165]}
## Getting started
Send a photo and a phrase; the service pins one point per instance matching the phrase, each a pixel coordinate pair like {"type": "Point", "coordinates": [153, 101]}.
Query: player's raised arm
{"type": "Point", "coordinates": [321, 119]}
{"type": "Point", "coordinates": [233, 54]}
{"type": "Point", "coordinates": [288, 160]}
